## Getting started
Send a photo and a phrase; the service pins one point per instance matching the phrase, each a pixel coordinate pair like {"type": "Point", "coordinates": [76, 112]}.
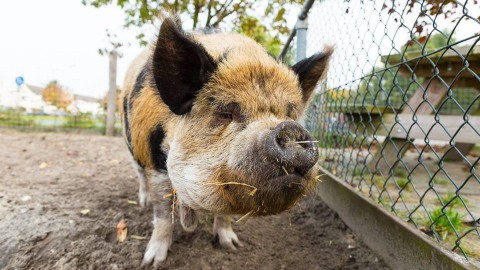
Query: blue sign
{"type": "Point", "coordinates": [19, 80]}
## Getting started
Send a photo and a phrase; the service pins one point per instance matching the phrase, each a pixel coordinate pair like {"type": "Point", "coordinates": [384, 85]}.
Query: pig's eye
{"type": "Point", "coordinates": [229, 113]}
{"type": "Point", "coordinates": [226, 116]}
{"type": "Point", "coordinates": [222, 118]}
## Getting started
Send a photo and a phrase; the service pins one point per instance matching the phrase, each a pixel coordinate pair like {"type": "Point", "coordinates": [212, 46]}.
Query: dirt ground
{"type": "Point", "coordinates": [49, 181]}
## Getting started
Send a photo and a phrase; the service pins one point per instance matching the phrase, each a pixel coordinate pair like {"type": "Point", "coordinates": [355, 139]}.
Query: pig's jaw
{"type": "Point", "coordinates": [190, 179]}
{"type": "Point", "coordinates": [237, 180]}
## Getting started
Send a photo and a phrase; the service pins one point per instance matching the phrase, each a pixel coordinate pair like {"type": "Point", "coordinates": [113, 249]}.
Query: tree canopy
{"type": "Point", "coordinates": [265, 21]}
{"type": "Point", "coordinates": [55, 95]}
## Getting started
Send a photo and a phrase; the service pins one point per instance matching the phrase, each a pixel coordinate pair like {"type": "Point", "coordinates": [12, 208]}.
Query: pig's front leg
{"type": "Point", "coordinates": [161, 239]}
{"type": "Point", "coordinates": [188, 218]}
{"type": "Point", "coordinates": [222, 229]}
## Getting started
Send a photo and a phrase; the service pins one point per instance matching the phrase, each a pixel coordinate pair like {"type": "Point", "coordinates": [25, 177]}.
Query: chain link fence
{"type": "Point", "coordinates": [25, 108]}
{"type": "Point", "coordinates": [19, 119]}
{"type": "Point", "coordinates": [398, 117]}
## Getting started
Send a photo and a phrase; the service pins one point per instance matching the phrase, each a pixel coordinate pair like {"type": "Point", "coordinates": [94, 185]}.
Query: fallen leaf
{"type": "Point", "coordinates": [138, 237]}
{"type": "Point", "coordinates": [132, 202]}
{"type": "Point", "coordinates": [43, 165]}
{"type": "Point", "coordinates": [121, 231]}
{"type": "Point", "coordinates": [84, 211]}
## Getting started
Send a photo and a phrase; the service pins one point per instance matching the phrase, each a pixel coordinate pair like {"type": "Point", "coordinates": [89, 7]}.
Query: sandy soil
{"type": "Point", "coordinates": [48, 180]}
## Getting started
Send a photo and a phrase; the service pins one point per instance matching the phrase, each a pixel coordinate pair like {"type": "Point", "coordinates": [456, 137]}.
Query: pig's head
{"type": "Point", "coordinates": [235, 147]}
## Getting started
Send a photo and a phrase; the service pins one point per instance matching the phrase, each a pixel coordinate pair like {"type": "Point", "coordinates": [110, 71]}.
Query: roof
{"type": "Point", "coordinates": [35, 89]}
{"type": "Point", "coordinates": [87, 98]}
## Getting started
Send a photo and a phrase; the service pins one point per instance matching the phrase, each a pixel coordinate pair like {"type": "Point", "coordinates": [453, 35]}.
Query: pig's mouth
{"type": "Point", "coordinates": [273, 175]}
{"type": "Point", "coordinates": [258, 196]}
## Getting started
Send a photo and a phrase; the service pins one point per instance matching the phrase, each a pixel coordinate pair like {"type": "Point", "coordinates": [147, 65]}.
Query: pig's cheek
{"type": "Point", "coordinates": [186, 178]}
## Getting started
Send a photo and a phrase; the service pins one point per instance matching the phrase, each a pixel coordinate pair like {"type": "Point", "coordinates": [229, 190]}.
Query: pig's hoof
{"type": "Point", "coordinates": [156, 252]}
{"type": "Point", "coordinates": [227, 238]}
{"type": "Point", "coordinates": [188, 218]}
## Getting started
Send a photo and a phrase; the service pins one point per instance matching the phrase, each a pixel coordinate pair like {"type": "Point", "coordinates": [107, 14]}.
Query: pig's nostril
{"type": "Point", "coordinates": [291, 148]}
{"type": "Point", "coordinates": [281, 142]}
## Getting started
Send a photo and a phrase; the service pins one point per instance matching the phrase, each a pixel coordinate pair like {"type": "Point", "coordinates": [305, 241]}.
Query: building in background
{"type": "Point", "coordinates": [86, 104]}
{"type": "Point", "coordinates": [29, 98]}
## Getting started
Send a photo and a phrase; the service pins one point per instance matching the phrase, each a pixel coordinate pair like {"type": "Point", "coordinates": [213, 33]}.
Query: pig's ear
{"type": "Point", "coordinates": [310, 70]}
{"type": "Point", "coordinates": [180, 67]}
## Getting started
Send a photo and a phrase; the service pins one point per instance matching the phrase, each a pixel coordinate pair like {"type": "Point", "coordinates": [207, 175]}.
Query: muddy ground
{"type": "Point", "coordinates": [48, 183]}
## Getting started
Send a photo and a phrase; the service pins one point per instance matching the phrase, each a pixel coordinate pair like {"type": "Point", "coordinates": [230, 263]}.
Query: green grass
{"type": "Point", "coordinates": [400, 172]}
{"type": "Point", "coordinates": [17, 119]}
{"type": "Point", "coordinates": [441, 223]}
{"type": "Point", "coordinates": [449, 197]}
{"type": "Point", "coordinates": [404, 184]}
{"type": "Point", "coordinates": [441, 181]}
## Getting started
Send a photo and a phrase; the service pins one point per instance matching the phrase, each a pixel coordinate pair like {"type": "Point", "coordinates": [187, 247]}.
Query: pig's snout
{"type": "Point", "coordinates": [290, 146]}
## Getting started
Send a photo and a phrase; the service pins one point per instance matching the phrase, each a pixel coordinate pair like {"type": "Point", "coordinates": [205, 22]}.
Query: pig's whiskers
{"type": "Point", "coordinates": [317, 178]}
{"type": "Point", "coordinates": [307, 142]}
{"type": "Point", "coordinates": [254, 189]}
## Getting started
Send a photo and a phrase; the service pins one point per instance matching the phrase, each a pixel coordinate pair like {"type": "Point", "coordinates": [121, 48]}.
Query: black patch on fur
{"type": "Point", "coordinates": [159, 158]}
{"type": "Point", "coordinates": [139, 85]}
{"type": "Point", "coordinates": [180, 67]}
{"type": "Point", "coordinates": [126, 125]}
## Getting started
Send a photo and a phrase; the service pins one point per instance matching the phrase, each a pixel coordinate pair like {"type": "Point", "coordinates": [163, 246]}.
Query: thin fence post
{"type": "Point", "coordinates": [301, 28]}
{"type": "Point", "coordinates": [112, 93]}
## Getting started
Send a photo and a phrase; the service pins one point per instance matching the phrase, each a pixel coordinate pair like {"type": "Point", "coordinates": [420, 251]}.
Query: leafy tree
{"type": "Point", "coordinates": [429, 11]}
{"type": "Point", "coordinates": [55, 95]}
{"type": "Point", "coordinates": [430, 43]}
{"type": "Point", "coordinates": [252, 27]}
{"type": "Point", "coordinates": [207, 14]}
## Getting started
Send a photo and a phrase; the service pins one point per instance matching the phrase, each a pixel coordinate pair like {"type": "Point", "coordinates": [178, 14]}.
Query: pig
{"type": "Point", "coordinates": [211, 123]}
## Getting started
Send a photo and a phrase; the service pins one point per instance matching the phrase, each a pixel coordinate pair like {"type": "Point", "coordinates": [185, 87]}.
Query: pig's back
{"type": "Point", "coordinates": [232, 45]}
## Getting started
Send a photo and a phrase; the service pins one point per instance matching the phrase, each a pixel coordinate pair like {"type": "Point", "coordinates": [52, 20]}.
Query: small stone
{"type": "Point", "coordinates": [26, 198]}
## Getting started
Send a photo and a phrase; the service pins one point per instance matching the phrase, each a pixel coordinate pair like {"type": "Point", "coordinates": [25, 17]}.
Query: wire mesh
{"type": "Point", "coordinates": [19, 119]}
{"type": "Point", "coordinates": [398, 117]}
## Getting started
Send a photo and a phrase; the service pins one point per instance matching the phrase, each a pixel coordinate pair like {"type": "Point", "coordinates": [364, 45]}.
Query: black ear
{"type": "Point", "coordinates": [310, 70]}
{"type": "Point", "coordinates": [180, 67]}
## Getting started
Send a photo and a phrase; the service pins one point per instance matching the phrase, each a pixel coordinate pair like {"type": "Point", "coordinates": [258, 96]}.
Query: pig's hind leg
{"type": "Point", "coordinates": [161, 197]}
{"type": "Point", "coordinates": [222, 230]}
{"type": "Point", "coordinates": [142, 184]}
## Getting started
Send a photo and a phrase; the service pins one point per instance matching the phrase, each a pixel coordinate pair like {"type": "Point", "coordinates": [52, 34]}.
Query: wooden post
{"type": "Point", "coordinates": [112, 94]}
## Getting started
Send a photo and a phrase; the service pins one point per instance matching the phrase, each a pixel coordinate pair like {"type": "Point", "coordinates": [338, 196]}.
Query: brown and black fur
{"type": "Point", "coordinates": [199, 112]}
